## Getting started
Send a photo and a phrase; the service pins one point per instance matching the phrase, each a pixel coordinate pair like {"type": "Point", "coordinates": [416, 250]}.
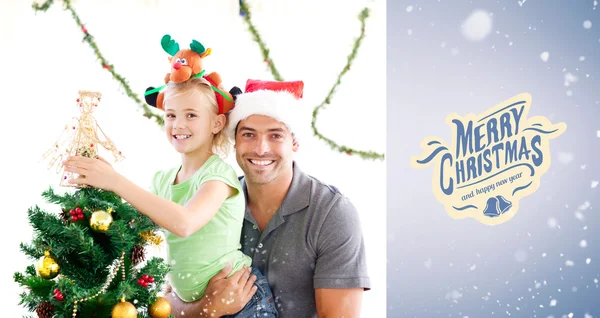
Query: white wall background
{"type": "Point", "coordinates": [45, 63]}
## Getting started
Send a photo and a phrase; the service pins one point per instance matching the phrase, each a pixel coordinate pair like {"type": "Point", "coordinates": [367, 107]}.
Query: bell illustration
{"type": "Point", "coordinates": [503, 204]}
{"type": "Point", "coordinates": [491, 208]}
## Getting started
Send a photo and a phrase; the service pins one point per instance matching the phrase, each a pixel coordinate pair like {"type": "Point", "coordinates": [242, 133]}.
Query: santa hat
{"type": "Point", "coordinates": [279, 100]}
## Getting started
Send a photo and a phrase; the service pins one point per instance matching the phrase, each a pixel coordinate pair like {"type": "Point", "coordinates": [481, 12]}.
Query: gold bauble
{"type": "Point", "coordinates": [100, 221]}
{"type": "Point", "coordinates": [124, 309]}
{"type": "Point", "coordinates": [47, 267]}
{"type": "Point", "coordinates": [160, 309]}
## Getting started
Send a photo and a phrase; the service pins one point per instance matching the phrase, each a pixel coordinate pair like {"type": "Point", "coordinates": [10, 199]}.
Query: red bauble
{"type": "Point", "coordinates": [78, 210]}
{"type": "Point", "coordinates": [58, 295]}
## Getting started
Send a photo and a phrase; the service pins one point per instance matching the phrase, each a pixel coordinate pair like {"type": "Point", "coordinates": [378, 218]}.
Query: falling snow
{"type": "Point", "coordinates": [565, 157]}
{"type": "Point", "coordinates": [584, 206]}
{"type": "Point", "coordinates": [521, 256]}
{"type": "Point", "coordinates": [570, 79]}
{"type": "Point", "coordinates": [428, 263]}
{"type": "Point", "coordinates": [548, 275]}
{"type": "Point", "coordinates": [477, 26]}
{"type": "Point", "coordinates": [569, 263]}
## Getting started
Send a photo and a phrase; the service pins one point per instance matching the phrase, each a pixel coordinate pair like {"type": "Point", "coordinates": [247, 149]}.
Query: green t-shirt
{"type": "Point", "coordinates": [198, 257]}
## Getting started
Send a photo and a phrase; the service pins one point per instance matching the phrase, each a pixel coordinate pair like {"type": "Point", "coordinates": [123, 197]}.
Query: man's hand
{"type": "Point", "coordinates": [227, 296]}
{"type": "Point", "coordinates": [224, 296]}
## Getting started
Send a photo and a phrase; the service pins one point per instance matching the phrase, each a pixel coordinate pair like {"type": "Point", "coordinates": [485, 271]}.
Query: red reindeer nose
{"type": "Point", "coordinates": [177, 65]}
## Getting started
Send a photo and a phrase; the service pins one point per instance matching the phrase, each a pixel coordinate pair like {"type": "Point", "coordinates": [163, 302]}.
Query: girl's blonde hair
{"type": "Point", "coordinates": [221, 144]}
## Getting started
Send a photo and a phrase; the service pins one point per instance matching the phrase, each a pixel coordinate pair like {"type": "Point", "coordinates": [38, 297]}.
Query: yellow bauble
{"type": "Point", "coordinates": [47, 267]}
{"type": "Point", "coordinates": [124, 309]}
{"type": "Point", "coordinates": [160, 309]}
{"type": "Point", "coordinates": [100, 221]}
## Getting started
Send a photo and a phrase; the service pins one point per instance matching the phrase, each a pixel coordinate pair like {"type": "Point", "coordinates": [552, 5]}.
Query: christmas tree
{"type": "Point", "coordinates": [87, 259]}
{"type": "Point", "coordinates": [90, 255]}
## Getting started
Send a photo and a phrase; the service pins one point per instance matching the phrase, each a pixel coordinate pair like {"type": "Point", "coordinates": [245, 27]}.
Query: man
{"type": "Point", "coordinates": [303, 235]}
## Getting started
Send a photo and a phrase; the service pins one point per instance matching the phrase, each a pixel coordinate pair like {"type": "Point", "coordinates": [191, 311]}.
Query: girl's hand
{"type": "Point", "coordinates": [97, 173]}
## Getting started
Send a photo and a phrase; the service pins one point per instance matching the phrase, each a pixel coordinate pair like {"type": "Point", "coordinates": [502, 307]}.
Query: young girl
{"type": "Point", "coordinates": [199, 203]}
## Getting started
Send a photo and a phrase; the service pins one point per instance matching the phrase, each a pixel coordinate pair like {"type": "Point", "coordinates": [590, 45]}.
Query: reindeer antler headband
{"type": "Point", "coordinates": [186, 64]}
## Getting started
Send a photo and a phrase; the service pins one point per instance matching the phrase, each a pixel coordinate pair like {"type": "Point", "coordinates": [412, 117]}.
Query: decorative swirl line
{"type": "Point", "coordinates": [434, 142]}
{"type": "Point", "coordinates": [465, 207]}
{"type": "Point", "coordinates": [495, 174]}
{"type": "Point", "coordinates": [432, 155]}
{"type": "Point", "coordinates": [522, 187]}
{"type": "Point", "coordinates": [540, 130]}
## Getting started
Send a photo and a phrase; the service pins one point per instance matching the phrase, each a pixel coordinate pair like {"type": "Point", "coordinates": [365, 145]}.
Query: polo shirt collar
{"type": "Point", "coordinates": [297, 198]}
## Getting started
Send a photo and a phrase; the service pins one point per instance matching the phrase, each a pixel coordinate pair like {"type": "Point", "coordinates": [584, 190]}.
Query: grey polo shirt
{"type": "Point", "coordinates": [313, 241]}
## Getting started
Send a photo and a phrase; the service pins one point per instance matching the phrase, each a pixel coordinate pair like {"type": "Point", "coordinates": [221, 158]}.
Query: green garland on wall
{"type": "Point", "coordinates": [244, 10]}
{"type": "Point", "coordinates": [89, 39]}
{"type": "Point", "coordinates": [364, 14]}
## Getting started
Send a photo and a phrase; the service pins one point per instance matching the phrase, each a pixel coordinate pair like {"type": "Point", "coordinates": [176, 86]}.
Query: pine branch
{"type": "Point", "coordinates": [156, 268]}
{"type": "Point", "coordinates": [29, 301]}
{"type": "Point", "coordinates": [34, 251]}
{"type": "Point", "coordinates": [38, 289]}
{"type": "Point", "coordinates": [63, 239]}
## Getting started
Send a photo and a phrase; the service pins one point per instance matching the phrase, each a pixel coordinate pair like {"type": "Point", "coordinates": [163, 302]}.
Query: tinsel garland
{"type": "Point", "coordinates": [247, 16]}
{"type": "Point", "coordinates": [364, 14]}
{"type": "Point", "coordinates": [89, 39]}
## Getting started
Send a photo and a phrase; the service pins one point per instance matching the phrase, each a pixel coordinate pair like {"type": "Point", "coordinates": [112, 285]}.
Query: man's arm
{"type": "Point", "coordinates": [341, 272]}
{"type": "Point", "coordinates": [239, 288]}
{"type": "Point", "coordinates": [338, 302]}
